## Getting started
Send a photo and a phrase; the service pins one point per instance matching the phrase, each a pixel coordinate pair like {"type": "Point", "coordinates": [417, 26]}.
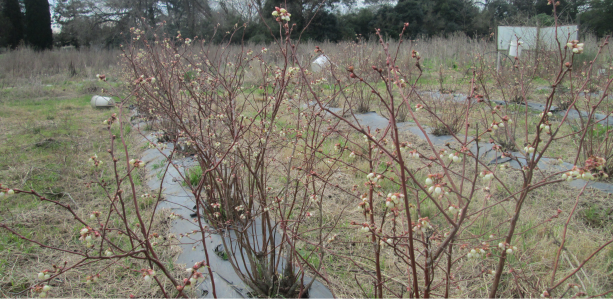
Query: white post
{"type": "Point", "coordinates": [498, 62]}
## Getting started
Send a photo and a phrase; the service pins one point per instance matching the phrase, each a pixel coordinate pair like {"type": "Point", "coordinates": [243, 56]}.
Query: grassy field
{"type": "Point", "coordinates": [49, 130]}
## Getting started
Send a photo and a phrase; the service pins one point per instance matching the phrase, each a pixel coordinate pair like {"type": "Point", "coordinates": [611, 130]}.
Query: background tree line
{"type": "Point", "coordinates": [101, 23]}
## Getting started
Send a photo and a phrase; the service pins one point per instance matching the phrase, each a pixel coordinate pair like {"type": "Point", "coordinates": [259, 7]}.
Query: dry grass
{"type": "Point", "coordinates": [28, 67]}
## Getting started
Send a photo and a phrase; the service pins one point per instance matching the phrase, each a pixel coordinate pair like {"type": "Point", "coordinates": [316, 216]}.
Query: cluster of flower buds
{"type": "Point", "coordinates": [596, 164]}
{"type": "Point", "coordinates": [337, 147]}
{"type": "Point", "coordinates": [332, 239]}
{"type": "Point", "coordinates": [486, 176]}
{"type": "Point", "coordinates": [496, 125]}
{"type": "Point", "coordinates": [414, 154]}
{"type": "Point", "coordinates": [437, 189]}
{"type": "Point", "coordinates": [173, 216]}
{"type": "Point", "coordinates": [43, 275]}
{"type": "Point", "coordinates": [93, 160]}
{"type": "Point", "coordinates": [92, 278]}
{"type": "Point", "coordinates": [42, 290]}
{"type": "Point", "coordinates": [415, 54]}
{"type": "Point", "coordinates": [529, 149]}
{"type": "Point", "coordinates": [364, 206]}
{"type": "Point", "coordinates": [94, 215]}
{"type": "Point", "coordinates": [434, 181]}
{"type": "Point", "coordinates": [507, 247]}
{"type": "Point", "coordinates": [404, 146]}
{"type": "Point", "coordinates": [577, 174]}
{"type": "Point", "coordinates": [418, 107]}
{"type": "Point", "coordinates": [88, 235]}
{"type": "Point", "coordinates": [373, 177]}
{"type": "Point", "coordinates": [576, 46]}
{"type": "Point", "coordinates": [365, 227]}
{"type": "Point", "coordinates": [352, 155]}
{"type": "Point", "coordinates": [148, 274]}
{"type": "Point", "coordinates": [314, 198]}
{"type": "Point", "coordinates": [137, 163]}
{"type": "Point", "coordinates": [476, 253]}
{"type": "Point", "coordinates": [108, 252]}
{"type": "Point", "coordinates": [423, 224]}
{"type": "Point", "coordinates": [281, 14]}
{"type": "Point", "coordinates": [109, 121]}
{"type": "Point", "coordinates": [443, 153]}
{"type": "Point", "coordinates": [6, 191]}
{"type": "Point", "coordinates": [455, 157]}
{"type": "Point", "coordinates": [548, 113]}
{"type": "Point", "coordinates": [195, 276]}
{"type": "Point", "coordinates": [454, 209]}
{"type": "Point", "coordinates": [239, 208]}
{"type": "Point", "coordinates": [545, 127]}
{"type": "Point", "coordinates": [101, 77]}
{"type": "Point", "coordinates": [393, 199]}
{"type": "Point", "coordinates": [215, 205]}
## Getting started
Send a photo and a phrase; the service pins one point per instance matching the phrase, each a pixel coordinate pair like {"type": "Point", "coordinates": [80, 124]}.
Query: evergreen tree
{"type": "Point", "coordinates": [598, 17]}
{"type": "Point", "coordinates": [38, 24]}
{"type": "Point", "coordinates": [13, 27]}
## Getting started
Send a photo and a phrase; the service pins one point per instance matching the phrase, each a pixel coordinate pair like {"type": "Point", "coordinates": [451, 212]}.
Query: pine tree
{"type": "Point", "coordinates": [14, 27]}
{"type": "Point", "coordinates": [38, 24]}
